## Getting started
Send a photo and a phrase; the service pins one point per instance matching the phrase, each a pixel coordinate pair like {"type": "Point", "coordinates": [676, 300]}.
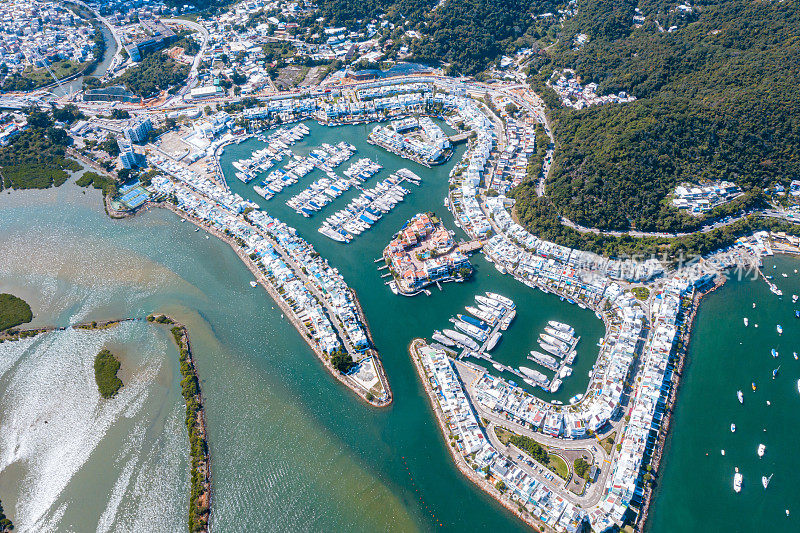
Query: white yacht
{"type": "Point", "coordinates": [737, 481]}
{"type": "Point", "coordinates": [761, 450]}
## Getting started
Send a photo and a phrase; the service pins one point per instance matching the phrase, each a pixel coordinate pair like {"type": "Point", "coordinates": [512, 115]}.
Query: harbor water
{"type": "Point", "coordinates": [695, 490]}
{"type": "Point", "coordinates": [292, 449]}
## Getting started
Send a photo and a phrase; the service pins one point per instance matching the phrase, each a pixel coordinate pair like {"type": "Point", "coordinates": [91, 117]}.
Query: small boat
{"type": "Point", "coordinates": [794, 298]}
{"type": "Point", "coordinates": [254, 284]}
{"type": "Point", "coordinates": [497, 367]}
{"type": "Point", "coordinates": [797, 313]}
{"type": "Point", "coordinates": [774, 352]}
{"type": "Point", "coordinates": [393, 287]}
{"type": "Point", "coordinates": [746, 322]}
{"type": "Point", "coordinates": [798, 385]}
{"type": "Point", "coordinates": [722, 452]}
{"type": "Point", "coordinates": [754, 305]}
{"type": "Point", "coordinates": [795, 355]}
{"type": "Point", "coordinates": [753, 384]}
{"type": "Point", "coordinates": [733, 428]}
{"type": "Point", "coordinates": [779, 329]}
{"type": "Point", "coordinates": [741, 396]}
{"type": "Point", "coordinates": [761, 449]}
{"type": "Point", "coordinates": [737, 481]}
{"type": "Point", "coordinates": [765, 480]}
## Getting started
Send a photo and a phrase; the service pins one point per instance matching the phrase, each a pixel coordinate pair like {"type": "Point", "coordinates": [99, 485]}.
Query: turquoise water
{"type": "Point", "coordinates": [294, 451]}
{"type": "Point", "coordinates": [695, 489]}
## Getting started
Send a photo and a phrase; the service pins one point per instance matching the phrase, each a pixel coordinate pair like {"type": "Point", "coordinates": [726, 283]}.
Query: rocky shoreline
{"type": "Point", "coordinates": [289, 314]}
{"type": "Point", "coordinates": [458, 459]}
{"type": "Point", "coordinates": [658, 449]}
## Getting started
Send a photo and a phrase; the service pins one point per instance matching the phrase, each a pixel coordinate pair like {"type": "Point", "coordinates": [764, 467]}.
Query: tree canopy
{"type": "Point", "coordinates": [717, 98]}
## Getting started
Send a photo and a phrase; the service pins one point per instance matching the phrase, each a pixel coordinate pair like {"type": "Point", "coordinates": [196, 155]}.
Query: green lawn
{"type": "Point", "coordinates": [558, 465]}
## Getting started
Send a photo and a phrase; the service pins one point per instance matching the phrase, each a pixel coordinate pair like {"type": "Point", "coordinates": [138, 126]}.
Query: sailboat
{"type": "Point", "coordinates": [765, 480]}
{"type": "Point", "coordinates": [775, 371]}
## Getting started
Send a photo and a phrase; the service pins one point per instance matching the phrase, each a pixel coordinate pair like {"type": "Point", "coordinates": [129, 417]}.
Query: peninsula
{"type": "Point", "coordinates": [543, 187]}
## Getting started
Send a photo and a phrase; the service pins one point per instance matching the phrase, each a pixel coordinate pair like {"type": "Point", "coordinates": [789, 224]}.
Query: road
{"type": "Point", "coordinates": [111, 28]}
{"type": "Point", "coordinates": [525, 98]}
{"type": "Point", "coordinates": [191, 81]}
{"type": "Point", "coordinates": [589, 446]}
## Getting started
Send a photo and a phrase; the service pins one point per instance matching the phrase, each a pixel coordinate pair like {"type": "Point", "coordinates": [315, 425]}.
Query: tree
{"type": "Point", "coordinates": [120, 114]}
{"type": "Point", "coordinates": [110, 146]}
{"type": "Point", "coordinates": [58, 136]}
{"type": "Point", "coordinates": [581, 467]}
{"type": "Point", "coordinates": [342, 361]}
{"type": "Point", "coordinates": [511, 108]}
{"type": "Point", "coordinates": [68, 114]}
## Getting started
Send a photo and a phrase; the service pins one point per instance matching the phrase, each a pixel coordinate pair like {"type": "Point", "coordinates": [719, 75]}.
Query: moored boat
{"type": "Point", "coordinates": [442, 339]}
{"type": "Point", "coordinates": [461, 339]}
{"type": "Point", "coordinates": [472, 331]}
{"type": "Point", "coordinates": [737, 480]}
{"type": "Point", "coordinates": [506, 302]}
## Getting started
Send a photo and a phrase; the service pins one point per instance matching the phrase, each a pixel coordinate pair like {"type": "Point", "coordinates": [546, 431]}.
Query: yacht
{"type": "Point", "coordinates": [507, 302]}
{"type": "Point", "coordinates": [774, 352]}
{"type": "Point", "coordinates": [761, 449]}
{"type": "Point", "coordinates": [780, 329]}
{"type": "Point", "coordinates": [746, 322]}
{"type": "Point", "coordinates": [733, 428]}
{"type": "Point", "coordinates": [741, 396]}
{"type": "Point", "coordinates": [442, 339]}
{"type": "Point", "coordinates": [462, 339]}
{"type": "Point", "coordinates": [737, 481]}
{"type": "Point", "coordinates": [765, 480]}
{"type": "Point", "coordinates": [798, 385]}
{"type": "Point", "coordinates": [254, 284]}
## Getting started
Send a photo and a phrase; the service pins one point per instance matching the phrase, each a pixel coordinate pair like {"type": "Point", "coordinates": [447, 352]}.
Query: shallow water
{"type": "Point", "coordinates": [292, 449]}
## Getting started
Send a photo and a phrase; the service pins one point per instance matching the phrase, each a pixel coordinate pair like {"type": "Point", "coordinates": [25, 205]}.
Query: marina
{"type": "Point", "coordinates": [365, 210]}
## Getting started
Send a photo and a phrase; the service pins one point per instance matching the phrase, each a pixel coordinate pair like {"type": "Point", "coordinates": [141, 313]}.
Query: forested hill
{"type": "Point", "coordinates": [467, 35]}
{"type": "Point", "coordinates": [718, 98]}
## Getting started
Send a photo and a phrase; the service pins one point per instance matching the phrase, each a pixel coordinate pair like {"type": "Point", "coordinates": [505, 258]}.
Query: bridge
{"type": "Point", "coordinates": [459, 138]}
